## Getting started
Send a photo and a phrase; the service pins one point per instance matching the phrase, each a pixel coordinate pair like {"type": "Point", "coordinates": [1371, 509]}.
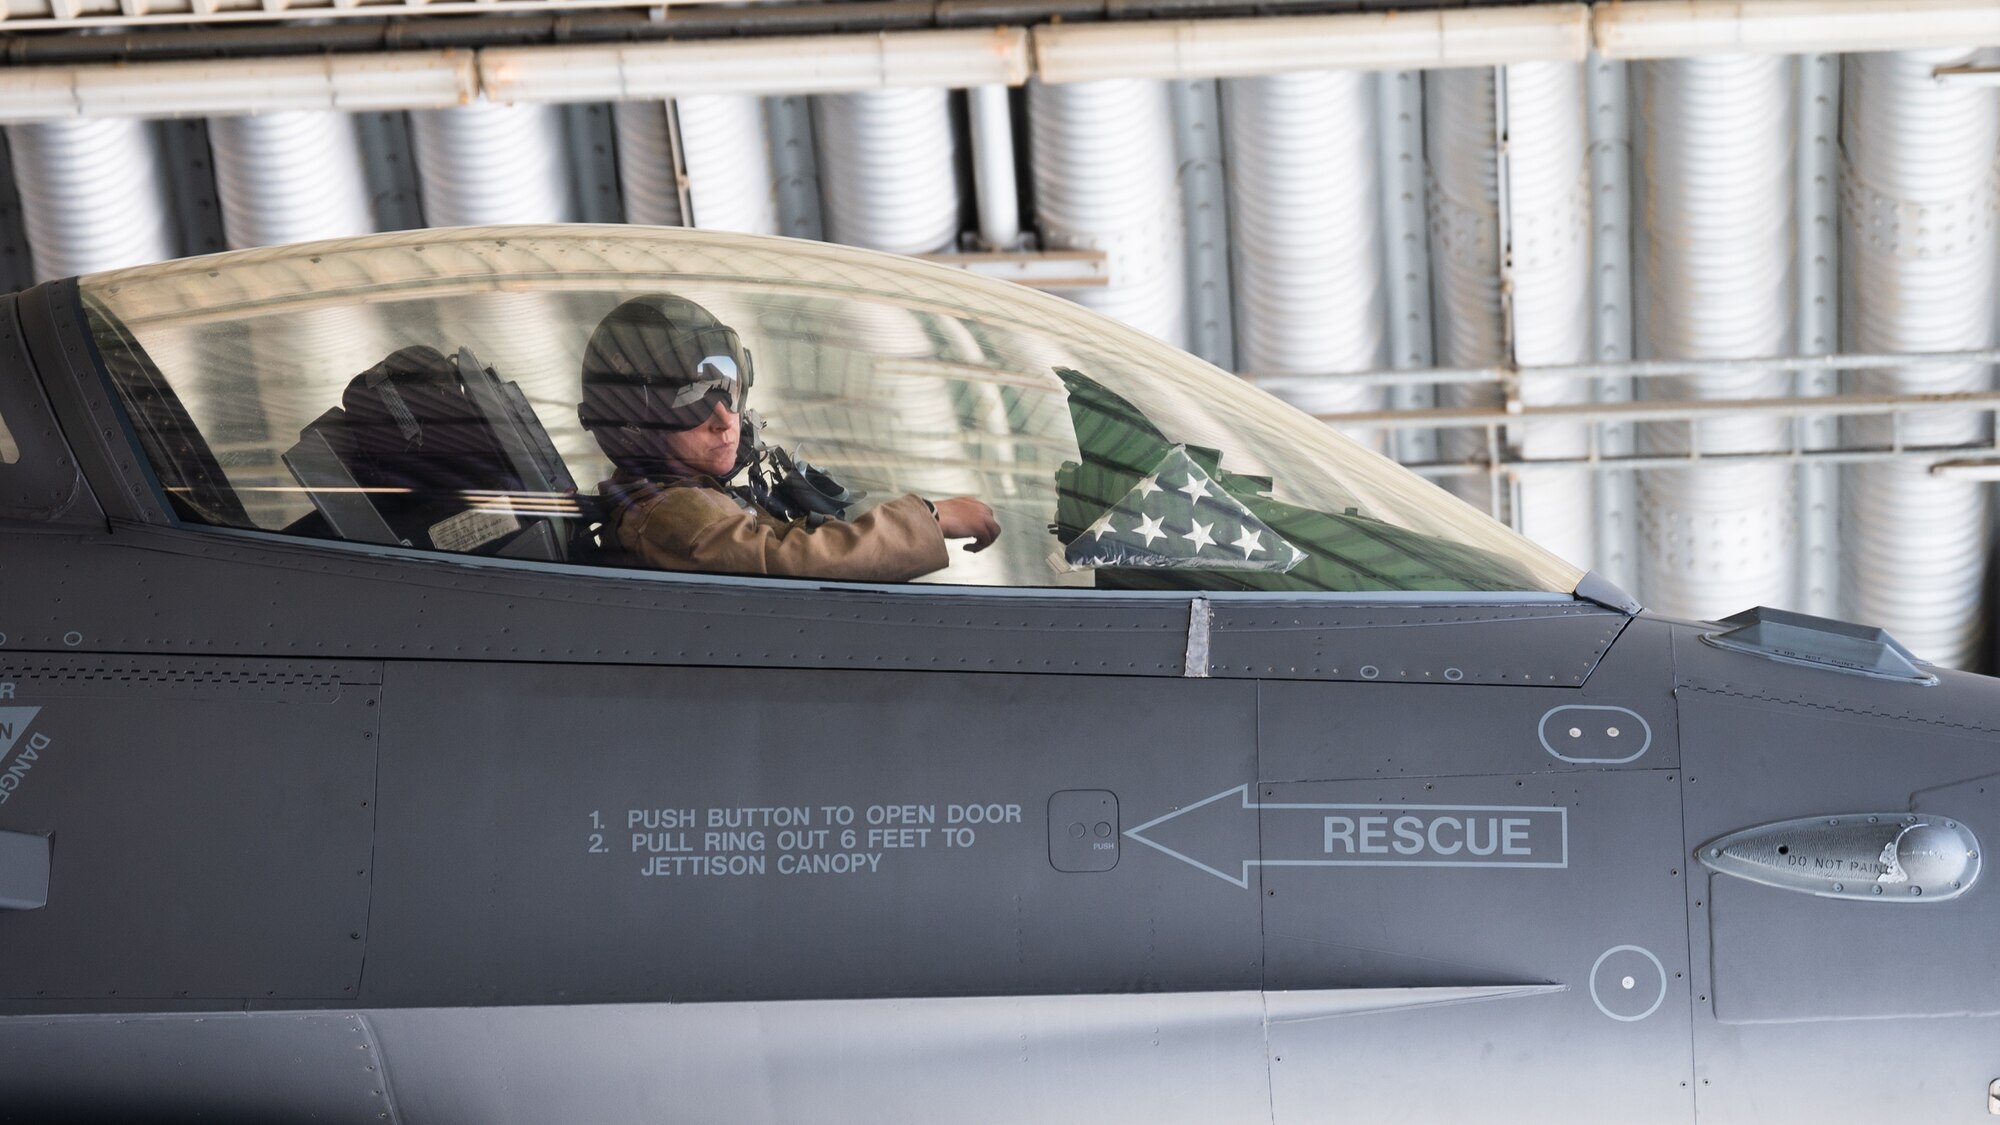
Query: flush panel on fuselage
{"type": "Point", "coordinates": [209, 823]}
{"type": "Point", "coordinates": [1905, 987]}
{"type": "Point", "coordinates": [1431, 847]}
{"type": "Point", "coordinates": [568, 834]}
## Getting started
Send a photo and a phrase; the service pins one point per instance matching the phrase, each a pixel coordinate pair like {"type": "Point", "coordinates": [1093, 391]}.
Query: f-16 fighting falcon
{"type": "Point", "coordinates": [363, 762]}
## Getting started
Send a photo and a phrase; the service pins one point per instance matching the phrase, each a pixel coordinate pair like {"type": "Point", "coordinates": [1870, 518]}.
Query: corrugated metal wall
{"type": "Point", "coordinates": [1523, 215]}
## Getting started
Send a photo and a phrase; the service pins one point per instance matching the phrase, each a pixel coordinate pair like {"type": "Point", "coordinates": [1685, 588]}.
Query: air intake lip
{"type": "Point", "coordinates": [1820, 642]}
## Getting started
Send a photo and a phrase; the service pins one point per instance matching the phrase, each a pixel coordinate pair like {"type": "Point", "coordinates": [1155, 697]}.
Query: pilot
{"type": "Point", "coordinates": [663, 389]}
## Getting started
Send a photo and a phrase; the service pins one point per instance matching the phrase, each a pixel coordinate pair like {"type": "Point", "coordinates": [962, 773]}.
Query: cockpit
{"type": "Point", "coordinates": [419, 391]}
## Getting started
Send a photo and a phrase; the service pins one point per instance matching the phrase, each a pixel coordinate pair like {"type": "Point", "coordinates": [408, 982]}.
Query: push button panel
{"type": "Point", "coordinates": [1083, 830]}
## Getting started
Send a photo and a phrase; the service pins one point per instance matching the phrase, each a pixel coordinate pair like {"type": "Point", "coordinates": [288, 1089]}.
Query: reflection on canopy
{"type": "Point", "coordinates": [894, 375]}
{"type": "Point", "coordinates": [1344, 550]}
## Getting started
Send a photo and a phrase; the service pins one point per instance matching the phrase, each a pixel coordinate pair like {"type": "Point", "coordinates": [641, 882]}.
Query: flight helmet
{"type": "Point", "coordinates": [658, 363]}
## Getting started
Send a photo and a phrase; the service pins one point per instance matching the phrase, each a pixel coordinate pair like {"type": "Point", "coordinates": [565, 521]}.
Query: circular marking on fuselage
{"type": "Point", "coordinates": [72, 638]}
{"type": "Point", "coordinates": [1628, 972]}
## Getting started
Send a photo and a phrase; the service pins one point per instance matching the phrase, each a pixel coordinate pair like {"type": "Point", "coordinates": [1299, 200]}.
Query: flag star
{"type": "Point", "coordinates": [1251, 542]}
{"type": "Point", "coordinates": [1102, 527]}
{"type": "Point", "coordinates": [1200, 537]}
{"type": "Point", "coordinates": [1149, 526]}
{"type": "Point", "coordinates": [1196, 488]}
{"type": "Point", "coordinates": [1149, 486]}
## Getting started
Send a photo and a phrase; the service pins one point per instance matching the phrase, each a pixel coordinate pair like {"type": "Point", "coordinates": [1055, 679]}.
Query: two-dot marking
{"type": "Point", "coordinates": [1587, 734]}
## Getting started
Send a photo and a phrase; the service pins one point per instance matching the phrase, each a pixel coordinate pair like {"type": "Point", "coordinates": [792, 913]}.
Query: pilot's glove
{"type": "Point", "coordinates": [965, 517]}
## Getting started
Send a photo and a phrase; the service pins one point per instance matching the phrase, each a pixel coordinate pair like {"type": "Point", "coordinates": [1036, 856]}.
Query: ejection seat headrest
{"type": "Point", "coordinates": [410, 422]}
{"type": "Point", "coordinates": [394, 404]}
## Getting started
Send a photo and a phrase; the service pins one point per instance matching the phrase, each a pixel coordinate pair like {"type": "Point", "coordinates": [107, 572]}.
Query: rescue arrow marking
{"type": "Point", "coordinates": [1384, 835]}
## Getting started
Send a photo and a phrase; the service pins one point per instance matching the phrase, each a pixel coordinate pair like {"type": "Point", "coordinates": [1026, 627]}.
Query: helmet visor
{"type": "Point", "coordinates": [715, 375]}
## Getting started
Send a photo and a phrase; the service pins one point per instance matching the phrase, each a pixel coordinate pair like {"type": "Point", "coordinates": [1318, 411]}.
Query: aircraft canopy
{"type": "Point", "coordinates": [1112, 460]}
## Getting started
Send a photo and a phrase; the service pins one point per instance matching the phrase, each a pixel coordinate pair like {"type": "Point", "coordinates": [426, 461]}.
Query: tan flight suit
{"type": "Point", "coordinates": [696, 525]}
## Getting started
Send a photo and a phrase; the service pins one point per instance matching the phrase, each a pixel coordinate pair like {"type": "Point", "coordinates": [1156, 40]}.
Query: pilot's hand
{"type": "Point", "coordinates": [964, 517]}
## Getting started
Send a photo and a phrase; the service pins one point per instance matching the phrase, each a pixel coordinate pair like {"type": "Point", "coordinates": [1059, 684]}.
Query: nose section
{"type": "Point", "coordinates": [1838, 796]}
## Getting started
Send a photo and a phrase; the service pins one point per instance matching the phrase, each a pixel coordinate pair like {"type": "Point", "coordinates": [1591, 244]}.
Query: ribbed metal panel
{"type": "Point", "coordinates": [1464, 201]}
{"type": "Point", "coordinates": [1104, 178]}
{"type": "Point", "coordinates": [1607, 87]}
{"type": "Point", "coordinates": [646, 178]}
{"type": "Point", "coordinates": [289, 177]}
{"type": "Point", "coordinates": [91, 195]}
{"type": "Point", "coordinates": [1406, 245]}
{"type": "Point", "coordinates": [1306, 231]}
{"type": "Point", "coordinates": [491, 164]}
{"type": "Point", "coordinates": [1920, 198]}
{"type": "Point", "coordinates": [1716, 146]}
{"type": "Point", "coordinates": [1548, 234]}
{"type": "Point", "coordinates": [888, 167]}
{"type": "Point", "coordinates": [726, 142]}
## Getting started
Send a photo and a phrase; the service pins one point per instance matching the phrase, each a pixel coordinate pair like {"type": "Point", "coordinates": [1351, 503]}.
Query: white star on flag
{"type": "Point", "coordinates": [1143, 527]}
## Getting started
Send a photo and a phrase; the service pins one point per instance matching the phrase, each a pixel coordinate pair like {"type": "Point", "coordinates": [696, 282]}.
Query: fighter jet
{"type": "Point", "coordinates": [356, 768]}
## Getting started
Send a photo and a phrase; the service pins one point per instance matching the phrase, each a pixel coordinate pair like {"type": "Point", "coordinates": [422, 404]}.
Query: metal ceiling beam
{"type": "Point", "coordinates": [357, 83]}
{"type": "Point", "coordinates": [1661, 29]}
{"type": "Point", "coordinates": [651, 19]}
{"type": "Point", "coordinates": [1076, 40]}
{"type": "Point", "coordinates": [1242, 48]}
{"type": "Point", "coordinates": [583, 54]}
{"type": "Point", "coordinates": [816, 64]}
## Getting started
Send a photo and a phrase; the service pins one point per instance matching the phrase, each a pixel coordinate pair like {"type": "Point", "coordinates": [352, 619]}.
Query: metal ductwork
{"type": "Point", "coordinates": [503, 164]}
{"type": "Point", "coordinates": [1104, 174]}
{"type": "Point", "coordinates": [289, 177]}
{"type": "Point", "coordinates": [1716, 146]}
{"type": "Point", "coordinates": [889, 169]}
{"type": "Point", "coordinates": [726, 141]}
{"type": "Point", "coordinates": [1921, 257]}
{"type": "Point", "coordinates": [1548, 256]}
{"type": "Point", "coordinates": [293, 177]}
{"type": "Point", "coordinates": [491, 164]}
{"type": "Point", "coordinates": [91, 195]}
{"type": "Point", "coordinates": [647, 176]}
{"type": "Point", "coordinates": [1306, 231]}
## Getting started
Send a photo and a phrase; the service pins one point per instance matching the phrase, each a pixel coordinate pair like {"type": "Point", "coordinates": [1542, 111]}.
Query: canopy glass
{"type": "Point", "coordinates": [254, 384]}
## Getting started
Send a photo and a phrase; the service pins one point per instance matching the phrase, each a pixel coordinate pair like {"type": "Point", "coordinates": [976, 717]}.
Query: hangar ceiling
{"type": "Point", "coordinates": [1718, 326]}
